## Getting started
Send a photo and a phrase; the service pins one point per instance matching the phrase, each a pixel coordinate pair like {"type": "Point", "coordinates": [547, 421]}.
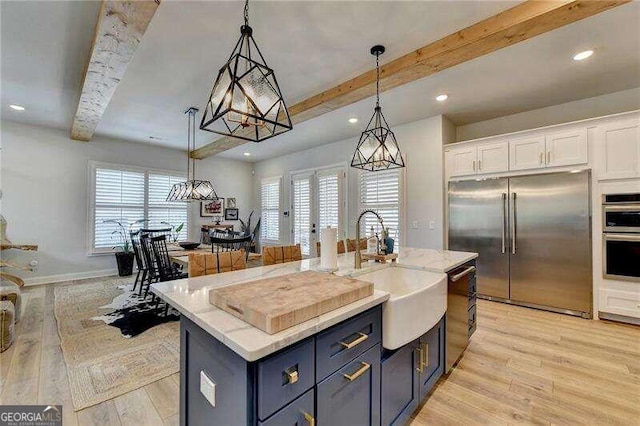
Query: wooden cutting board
{"type": "Point", "coordinates": [275, 304]}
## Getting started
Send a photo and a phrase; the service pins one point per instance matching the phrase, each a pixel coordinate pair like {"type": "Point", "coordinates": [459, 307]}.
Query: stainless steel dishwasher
{"type": "Point", "coordinates": [461, 311]}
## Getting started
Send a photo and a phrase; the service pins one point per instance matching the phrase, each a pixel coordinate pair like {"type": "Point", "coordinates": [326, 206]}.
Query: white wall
{"type": "Point", "coordinates": [612, 103]}
{"type": "Point", "coordinates": [45, 194]}
{"type": "Point", "coordinates": [421, 143]}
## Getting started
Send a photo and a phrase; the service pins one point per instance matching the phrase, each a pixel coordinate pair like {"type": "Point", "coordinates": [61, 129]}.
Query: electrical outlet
{"type": "Point", "coordinates": [432, 224]}
{"type": "Point", "coordinates": [414, 224]}
{"type": "Point", "coordinates": [207, 388]}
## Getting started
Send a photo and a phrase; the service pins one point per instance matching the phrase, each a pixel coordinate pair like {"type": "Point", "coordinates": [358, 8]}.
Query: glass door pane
{"type": "Point", "coordinates": [301, 210]}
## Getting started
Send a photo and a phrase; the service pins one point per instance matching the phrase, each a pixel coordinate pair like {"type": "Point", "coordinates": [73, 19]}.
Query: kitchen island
{"type": "Point", "coordinates": [326, 370]}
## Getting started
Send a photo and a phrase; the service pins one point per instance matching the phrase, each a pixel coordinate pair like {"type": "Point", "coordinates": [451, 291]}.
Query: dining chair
{"type": "Point", "coordinates": [231, 244]}
{"type": "Point", "coordinates": [351, 244]}
{"type": "Point", "coordinates": [137, 252]}
{"type": "Point", "coordinates": [149, 260]}
{"type": "Point", "coordinates": [340, 247]}
{"type": "Point", "coordinates": [157, 232]}
{"type": "Point", "coordinates": [213, 263]}
{"type": "Point", "coordinates": [272, 255]}
{"type": "Point", "coordinates": [167, 271]}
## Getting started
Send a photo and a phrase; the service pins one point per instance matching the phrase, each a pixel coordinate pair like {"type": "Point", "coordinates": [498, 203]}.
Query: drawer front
{"type": "Point", "coordinates": [472, 320]}
{"type": "Point", "coordinates": [342, 343]}
{"type": "Point", "coordinates": [351, 396]}
{"type": "Point", "coordinates": [285, 376]}
{"type": "Point", "coordinates": [298, 413]}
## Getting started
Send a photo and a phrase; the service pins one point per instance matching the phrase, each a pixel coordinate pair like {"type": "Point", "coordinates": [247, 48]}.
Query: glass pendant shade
{"type": "Point", "coordinates": [193, 189]}
{"type": "Point", "coordinates": [377, 148]}
{"type": "Point", "coordinates": [246, 101]}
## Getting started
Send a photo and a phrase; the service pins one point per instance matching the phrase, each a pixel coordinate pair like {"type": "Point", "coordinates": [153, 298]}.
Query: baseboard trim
{"type": "Point", "coordinates": [618, 318]}
{"type": "Point", "coordinates": [69, 277]}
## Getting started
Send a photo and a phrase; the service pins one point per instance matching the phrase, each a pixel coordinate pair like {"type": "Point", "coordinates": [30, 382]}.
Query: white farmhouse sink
{"type": "Point", "coordinates": [418, 301]}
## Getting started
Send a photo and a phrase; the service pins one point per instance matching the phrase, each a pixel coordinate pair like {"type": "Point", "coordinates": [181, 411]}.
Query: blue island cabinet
{"type": "Point", "coordinates": [409, 373]}
{"type": "Point", "coordinates": [332, 378]}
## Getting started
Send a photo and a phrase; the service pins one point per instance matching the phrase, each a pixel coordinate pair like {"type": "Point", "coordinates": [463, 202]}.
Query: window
{"type": "Point", "coordinates": [381, 192]}
{"type": "Point", "coordinates": [301, 209]}
{"type": "Point", "coordinates": [330, 200]}
{"type": "Point", "coordinates": [270, 224]}
{"type": "Point", "coordinates": [129, 194]}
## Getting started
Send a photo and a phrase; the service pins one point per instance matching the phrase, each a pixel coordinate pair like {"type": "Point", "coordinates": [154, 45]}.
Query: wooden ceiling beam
{"type": "Point", "coordinates": [120, 27]}
{"type": "Point", "coordinates": [522, 22]}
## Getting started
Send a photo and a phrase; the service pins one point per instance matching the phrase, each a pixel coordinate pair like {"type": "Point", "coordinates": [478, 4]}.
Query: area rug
{"type": "Point", "coordinates": [101, 363]}
{"type": "Point", "coordinates": [133, 314]}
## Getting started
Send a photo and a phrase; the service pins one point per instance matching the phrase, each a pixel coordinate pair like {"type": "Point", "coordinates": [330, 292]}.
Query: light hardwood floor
{"type": "Point", "coordinates": [522, 366]}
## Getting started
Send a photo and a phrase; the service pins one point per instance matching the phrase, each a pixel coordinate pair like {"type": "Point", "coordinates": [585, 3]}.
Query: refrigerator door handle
{"type": "Point", "coordinates": [504, 222]}
{"type": "Point", "coordinates": [513, 224]}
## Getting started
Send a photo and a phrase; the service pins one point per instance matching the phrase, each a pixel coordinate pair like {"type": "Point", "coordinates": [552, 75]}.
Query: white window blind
{"type": "Point", "coordinates": [128, 195]}
{"type": "Point", "coordinates": [381, 192]}
{"type": "Point", "coordinates": [330, 200]}
{"type": "Point", "coordinates": [162, 212]}
{"type": "Point", "coordinates": [301, 188]}
{"type": "Point", "coordinates": [270, 203]}
{"type": "Point", "coordinates": [119, 195]}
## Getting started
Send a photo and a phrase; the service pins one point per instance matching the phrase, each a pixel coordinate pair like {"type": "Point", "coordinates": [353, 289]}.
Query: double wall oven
{"type": "Point", "coordinates": [621, 236]}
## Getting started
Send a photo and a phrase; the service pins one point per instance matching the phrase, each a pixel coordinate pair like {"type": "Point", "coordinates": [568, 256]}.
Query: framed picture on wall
{"type": "Point", "coordinates": [230, 214]}
{"type": "Point", "coordinates": [211, 208]}
{"type": "Point", "coordinates": [231, 203]}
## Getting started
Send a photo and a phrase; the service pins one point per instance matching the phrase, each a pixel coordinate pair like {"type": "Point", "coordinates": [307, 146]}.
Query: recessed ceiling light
{"type": "Point", "coordinates": [17, 107]}
{"type": "Point", "coordinates": [246, 154]}
{"type": "Point", "coordinates": [582, 55]}
{"type": "Point", "coordinates": [442, 98]}
{"type": "Point", "coordinates": [353, 120]}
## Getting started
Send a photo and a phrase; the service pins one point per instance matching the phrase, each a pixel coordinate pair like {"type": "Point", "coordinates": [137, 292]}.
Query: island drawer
{"type": "Point", "coordinates": [299, 412]}
{"type": "Point", "coordinates": [285, 376]}
{"type": "Point", "coordinates": [342, 343]}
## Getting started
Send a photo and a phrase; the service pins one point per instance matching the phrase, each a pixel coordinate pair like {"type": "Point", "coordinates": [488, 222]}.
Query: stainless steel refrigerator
{"type": "Point", "coordinates": [533, 236]}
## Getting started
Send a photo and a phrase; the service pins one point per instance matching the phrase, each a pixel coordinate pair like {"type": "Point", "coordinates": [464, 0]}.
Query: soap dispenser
{"type": "Point", "coordinates": [372, 243]}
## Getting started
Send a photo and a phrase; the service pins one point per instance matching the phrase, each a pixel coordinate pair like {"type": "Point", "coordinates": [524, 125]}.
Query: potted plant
{"type": "Point", "coordinates": [175, 231]}
{"type": "Point", "coordinates": [124, 257]}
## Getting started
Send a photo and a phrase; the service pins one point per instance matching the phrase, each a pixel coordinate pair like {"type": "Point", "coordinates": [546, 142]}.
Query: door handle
{"type": "Point", "coordinates": [456, 277]}
{"type": "Point", "coordinates": [356, 342]}
{"type": "Point", "coordinates": [425, 356]}
{"type": "Point", "coordinates": [513, 224]}
{"type": "Point", "coordinates": [360, 372]}
{"type": "Point", "coordinates": [309, 418]}
{"type": "Point", "coordinates": [504, 223]}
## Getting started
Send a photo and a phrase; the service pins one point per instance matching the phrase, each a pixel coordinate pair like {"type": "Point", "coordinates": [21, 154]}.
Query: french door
{"type": "Point", "coordinates": [317, 201]}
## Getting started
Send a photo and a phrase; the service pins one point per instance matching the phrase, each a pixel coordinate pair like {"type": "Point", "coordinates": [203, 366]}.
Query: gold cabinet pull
{"type": "Point", "coordinates": [425, 356]}
{"type": "Point", "coordinates": [542, 158]}
{"type": "Point", "coordinates": [419, 367]}
{"type": "Point", "coordinates": [360, 372]}
{"type": "Point", "coordinates": [309, 418]}
{"type": "Point", "coordinates": [549, 157]}
{"type": "Point", "coordinates": [356, 342]}
{"type": "Point", "coordinates": [292, 377]}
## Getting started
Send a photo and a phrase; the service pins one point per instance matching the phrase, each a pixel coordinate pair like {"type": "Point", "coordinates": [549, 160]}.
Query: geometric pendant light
{"type": "Point", "coordinates": [192, 189]}
{"type": "Point", "coordinates": [377, 148]}
{"type": "Point", "coordinates": [246, 101]}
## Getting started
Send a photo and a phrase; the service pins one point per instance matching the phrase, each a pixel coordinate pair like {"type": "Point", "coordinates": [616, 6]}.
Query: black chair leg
{"type": "Point", "coordinates": [166, 309]}
{"type": "Point", "coordinates": [135, 282]}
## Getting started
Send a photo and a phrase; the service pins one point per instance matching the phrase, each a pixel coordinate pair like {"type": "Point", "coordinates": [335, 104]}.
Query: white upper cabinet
{"type": "Point", "coordinates": [527, 153]}
{"type": "Point", "coordinates": [567, 148]}
{"type": "Point", "coordinates": [493, 158]}
{"type": "Point", "coordinates": [462, 161]}
{"type": "Point", "coordinates": [618, 150]}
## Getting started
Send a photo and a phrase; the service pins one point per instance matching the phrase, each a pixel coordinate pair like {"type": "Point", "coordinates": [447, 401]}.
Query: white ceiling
{"type": "Point", "coordinates": [312, 46]}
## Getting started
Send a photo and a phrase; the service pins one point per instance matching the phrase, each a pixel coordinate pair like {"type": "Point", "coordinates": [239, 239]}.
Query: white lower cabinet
{"type": "Point", "coordinates": [566, 148]}
{"type": "Point", "coordinates": [618, 147]}
{"type": "Point", "coordinates": [620, 302]}
{"type": "Point", "coordinates": [527, 153]}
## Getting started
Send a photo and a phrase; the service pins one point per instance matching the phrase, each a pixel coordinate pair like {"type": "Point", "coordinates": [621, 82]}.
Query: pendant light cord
{"type": "Point", "coordinates": [377, 79]}
{"type": "Point", "coordinates": [189, 147]}
{"type": "Point", "coordinates": [246, 12]}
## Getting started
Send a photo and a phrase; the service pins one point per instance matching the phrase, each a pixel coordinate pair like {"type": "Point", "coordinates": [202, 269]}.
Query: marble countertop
{"type": "Point", "coordinates": [190, 296]}
{"type": "Point", "coordinates": [433, 260]}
